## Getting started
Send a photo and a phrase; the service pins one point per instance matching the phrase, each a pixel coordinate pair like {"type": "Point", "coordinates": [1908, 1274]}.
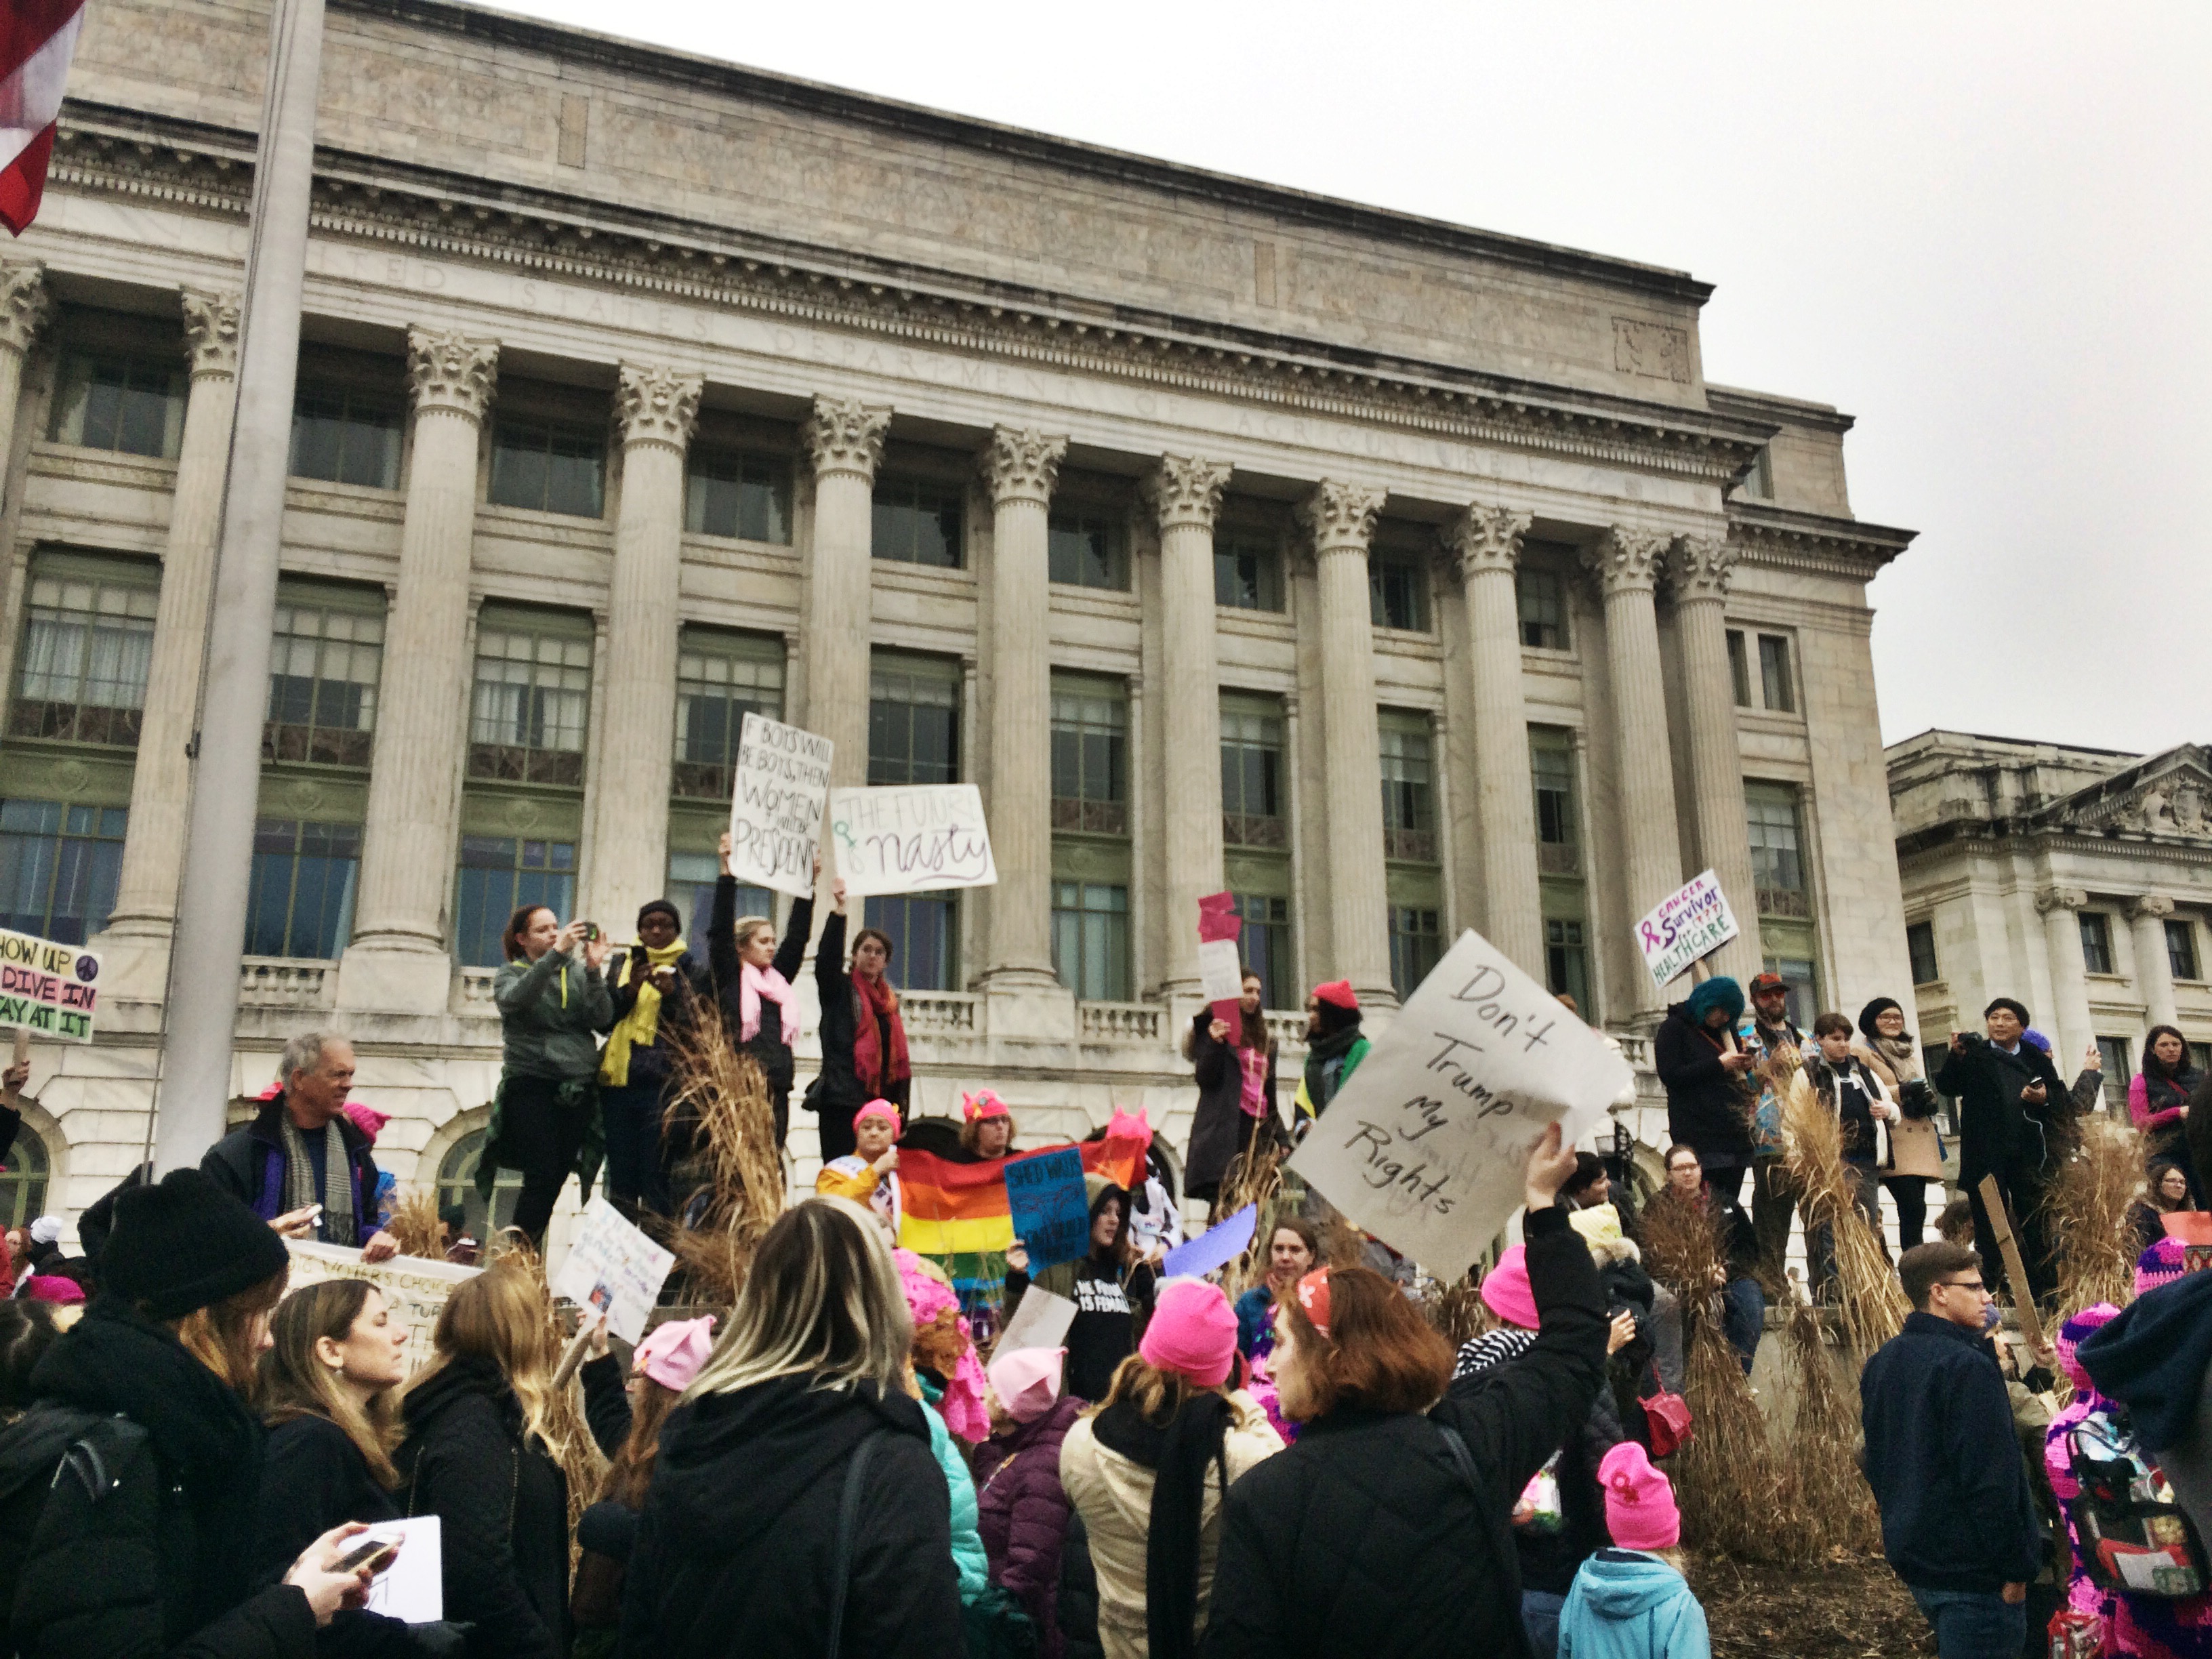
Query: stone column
{"type": "Point", "coordinates": [1186, 492]}
{"type": "Point", "coordinates": [2071, 1027]}
{"type": "Point", "coordinates": [844, 439]}
{"type": "Point", "coordinates": [2154, 966]}
{"type": "Point", "coordinates": [1700, 567]}
{"type": "Point", "coordinates": [138, 931]}
{"type": "Point", "coordinates": [1019, 468]}
{"type": "Point", "coordinates": [400, 957]}
{"type": "Point", "coordinates": [633, 750]}
{"type": "Point", "coordinates": [1626, 566]}
{"type": "Point", "coordinates": [25, 305]}
{"type": "Point", "coordinates": [1487, 544]}
{"type": "Point", "coordinates": [1341, 517]}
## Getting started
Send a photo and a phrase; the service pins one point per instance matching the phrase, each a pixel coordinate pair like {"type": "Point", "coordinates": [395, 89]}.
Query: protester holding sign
{"type": "Point", "coordinates": [283, 1164]}
{"type": "Point", "coordinates": [1385, 1528]}
{"type": "Point", "coordinates": [1112, 1293]}
{"type": "Point", "coordinates": [1707, 1070]}
{"type": "Point", "coordinates": [1235, 1075]}
{"type": "Point", "coordinates": [864, 1054]}
{"type": "Point", "coordinates": [654, 987]}
{"type": "Point", "coordinates": [550, 1008]}
{"type": "Point", "coordinates": [752, 976]}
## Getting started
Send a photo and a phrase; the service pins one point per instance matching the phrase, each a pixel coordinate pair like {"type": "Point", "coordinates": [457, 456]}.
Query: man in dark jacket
{"type": "Point", "coordinates": [1958, 1518]}
{"type": "Point", "coordinates": [2013, 1114]}
{"type": "Point", "coordinates": [1705, 1071]}
{"type": "Point", "coordinates": [302, 1165]}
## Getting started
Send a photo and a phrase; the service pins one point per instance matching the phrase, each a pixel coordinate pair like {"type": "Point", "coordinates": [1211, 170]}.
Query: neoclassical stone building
{"type": "Point", "coordinates": [1400, 577]}
{"type": "Point", "coordinates": [2078, 880]}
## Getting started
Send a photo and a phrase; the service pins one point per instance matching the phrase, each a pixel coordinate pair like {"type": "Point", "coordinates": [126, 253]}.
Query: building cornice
{"type": "Point", "coordinates": [1813, 541]}
{"type": "Point", "coordinates": [104, 149]}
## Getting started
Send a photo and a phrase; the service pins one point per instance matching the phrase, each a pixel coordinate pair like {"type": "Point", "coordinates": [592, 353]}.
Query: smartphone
{"type": "Point", "coordinates": [591, 933]}
{"type": "Point", "coordinates": [376, 1554]}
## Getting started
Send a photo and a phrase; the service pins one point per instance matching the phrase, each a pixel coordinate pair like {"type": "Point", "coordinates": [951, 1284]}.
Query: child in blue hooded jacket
{"type": "Point", "coordinates": [1630, 1602]}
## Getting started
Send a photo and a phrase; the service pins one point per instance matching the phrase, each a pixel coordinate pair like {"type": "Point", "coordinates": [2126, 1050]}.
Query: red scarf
{"type": "Point", "coordinates": [876, 1001]}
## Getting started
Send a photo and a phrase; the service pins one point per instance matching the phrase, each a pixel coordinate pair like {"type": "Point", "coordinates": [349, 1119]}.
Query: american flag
{"type": "Point", "coordinates": [36, 39]}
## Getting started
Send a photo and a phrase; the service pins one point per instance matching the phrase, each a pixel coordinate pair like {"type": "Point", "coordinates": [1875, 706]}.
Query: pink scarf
{"type": "Point", "coordinates": [1254, 1094]}
{"type": "Point", "coordinates": [753, 984]}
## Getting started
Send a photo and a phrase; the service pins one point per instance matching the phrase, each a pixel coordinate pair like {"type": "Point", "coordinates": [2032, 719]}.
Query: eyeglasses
{"type": "Point", "coordinates": [1962, 1285]}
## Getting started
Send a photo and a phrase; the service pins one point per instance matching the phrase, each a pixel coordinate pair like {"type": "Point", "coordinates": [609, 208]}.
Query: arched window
{"type": "Point", "coordinates": [456, 1184]}
{"type": "Point", "coordinates": [23, 1181]}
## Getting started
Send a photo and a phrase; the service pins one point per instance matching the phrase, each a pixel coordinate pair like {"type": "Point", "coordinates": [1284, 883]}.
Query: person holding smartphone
{"type": "Point", "coordinates": [654, 987]}
{"type": "Point", "coordinates": [551, 1006]}
{"type": "Point", "coordinates": [2013, 1114]}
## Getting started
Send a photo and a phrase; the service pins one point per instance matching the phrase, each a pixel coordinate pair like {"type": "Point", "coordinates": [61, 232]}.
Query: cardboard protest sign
{"type": "Point", "coordinates": [1693, 921]}
{"type": "Point", "coordinates": [1046, 1201]}
{"type": "Point", "coordinates": [415, 1289]}
{"type": "Point", "coordinates": [1424, 1147]}
{"type": "Point", "coordinates": [613, 1269]}
{"type": "Point", "coordinates": [1217, 1247]}
{"type": "Point", "coordinates": [783, 789]}
{"type": "Point", "coordinates": [1221, 960]}
{"type": "Point", "coordinates": [913, 838]}
{"type": "Point", "coordinates": [52, 989]}
{"type": "Point", "coordinates": [1040, 1320]}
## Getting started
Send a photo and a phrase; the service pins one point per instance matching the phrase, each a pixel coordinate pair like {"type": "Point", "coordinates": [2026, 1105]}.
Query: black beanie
{"type": "Point", "coordinates": [186, 1244]}
{"type": "Point", "coordinates": [664, 907]}
{"type": "Point", "coordinates": [2019, 1009]}
{"type": "Point", "coordinates": [1873, 1012]}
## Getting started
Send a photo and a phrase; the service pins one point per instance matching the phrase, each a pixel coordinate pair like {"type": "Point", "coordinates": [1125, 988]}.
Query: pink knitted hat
{"type": "Point", "coordinates": [367, 1119]}
{"type": "Point", "coordinates": [1026, 1381]}
{"type": "Point", "coordinates": [2074, 1333]}
{"type": "Point", "coordinates": [53, 1287]}
{"type": "Point", "coordinates": [1192, 1332]}
{"type": "Point", "coordinates": [1506, 1291]}
{"type": "Point", "coordinates": [670, 1354]}
{"type": "Point", "coordinates": [2161, 1264]}
{"type": "Point", "coordinates": [879, 1108]}
{"type": "Point", "coordinates": [984, 1103]}
{"type": "Point", "coordinates": [1639, 1501]}
{"type": "Point", "coordinates": [962, 1408]}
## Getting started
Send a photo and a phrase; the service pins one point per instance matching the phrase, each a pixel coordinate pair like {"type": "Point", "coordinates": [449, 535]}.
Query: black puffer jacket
{"type": "Point", "coordinates": [1364, 1538]}
{"type": "Point", "coordinates": [1220, 1130]}
{"type": "Point", "coordinates": [502, 1507]}
{"type": "Point", "coordinates": [147, 1562]}
{"type": "Point", "coordinates": [1997, 1127]}
{"type": "Point", "coordinates": [735, 1549]}
{"type": "Point", "coordinates": [767, 1046]}
{"type": "Point", "coordinates": [1708, 1106]}
{"type": "Point", "coordinates": [312, 1479]}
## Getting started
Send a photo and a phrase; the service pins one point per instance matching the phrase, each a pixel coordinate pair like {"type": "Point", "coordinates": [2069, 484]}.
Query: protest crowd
{"type": "Point", "coordinates": [886, 1419]}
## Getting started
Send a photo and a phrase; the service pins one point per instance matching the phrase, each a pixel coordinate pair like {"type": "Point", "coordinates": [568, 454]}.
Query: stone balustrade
{"type": "Point", "coordinates": [282, 983]}
{"type": "Point", "coordinates": [1120, 1022]}
{"type": "Point", "coordinates": [941, 1014]}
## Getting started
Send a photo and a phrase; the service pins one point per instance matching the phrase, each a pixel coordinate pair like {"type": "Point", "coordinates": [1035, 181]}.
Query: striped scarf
{"type": "Point", "coordinates": [337, 1225]}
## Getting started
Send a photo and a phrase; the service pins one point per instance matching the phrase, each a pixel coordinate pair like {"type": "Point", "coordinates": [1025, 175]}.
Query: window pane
{"type": "Point", "coordinates": [548, 467]}
{"type": "Point", "coordinates": [1247, 575]}
{"type": "Point", "coordinates": [530, 701]}
{"type": "Point", "coordinates": [497, 875]}
{"type": "Point", "coordinates": [2117, 1073]}
{"type": "Point", "coordinates": [1920, 947]}
{"type": "Point", "coordinates": [913, 719]}
{"type": "Point", "coordinates": [1265, 944]}
{"type": "Point", "coordinates": [922, 930]}
{"type": "Point", "coordinates": [1739, 669]}
{"type": "Point", "coordinates": [1251, 772]}
{"type": "Point", "coordinates": [87, 638]}
{"type": "Point", "coordinates": [2181, 947]}
{"type": "Point", "coordinates": [457, 1185]}
{"type": "Point", "coordinates": [1090, 726]}
{"type": "Point", "coordinates": [1416, 945]}
{"type": "Point", "coordinates": [740, 494]}
{"type": "Point", "coordinates": [1090, 940]}
{"type": "Point", "coordinates": [917, 521]}
{"type": "Point", "coordinates": [720, 678]}
{"type": "Point", "coordinates": [1552, 772]}
{"type": "Point", "coordinates": [324, 662]}
{"type": "Point", "coordinates": [1397, 590]}
{"type": "Point", "coordinates": [1770, 812]}
{"type": "Point", "coordinates": [301, 903]}
{"type": "Point", "coordinates": [2096, 943]}
{"type": "Point", "coordinates": [1566, 962]}
{"type": "Point", "coordinates": [1084, 550]}
{"type": "Point", "coordinates": [1543, 599]}
{"type": "Point", "coordinates": [1774, 672]}
{"type": "Point", "coordinates": [341, 435]}
{"type": "Point", "coordinates": [132, 406]}
{"type": "Point", "coordinates": [1408, 810]}
{"type": "Point", "coordinates": [58, 867]}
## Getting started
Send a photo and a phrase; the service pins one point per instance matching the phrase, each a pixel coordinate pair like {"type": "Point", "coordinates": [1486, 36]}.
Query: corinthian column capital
{"type": "Point", "coordinates": [844, 434]}
{"type": "Point", "coordinates": [1701, 567]}
{"type": "Point", "coordinates": [211, 330]}
{"type": "Point", "coordinates": [1486, 539]}
{"type": "Point", "coordinates": [25, 304]}
{"type": "Point", "coordinates": [1341, 517]}
{"type": "Point", "coordinates": [2156, 907]}
{"type": "Point", "coordinates": [448, 371]}
{"type": "Point", "coordinates": [2060, 898]}
{"type": "Point", "coordinates": [1021, 465]}
{"type": "Point", "coordinates": [1625, 560]}
{"type": "Point", "coordinates": [657, 405]}
{"type": "Point", "coordinates": [1186, 489]}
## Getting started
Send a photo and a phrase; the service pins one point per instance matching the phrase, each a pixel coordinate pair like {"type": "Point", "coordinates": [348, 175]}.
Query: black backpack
{"type": "Point", "coordinates": [38, 1448]}
{"type": "Point", "coordinates": [2133, 1537]}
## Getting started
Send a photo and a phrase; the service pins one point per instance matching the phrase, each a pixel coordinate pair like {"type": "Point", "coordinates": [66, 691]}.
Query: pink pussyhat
{"type": "Point", "coordinates": [670, 1354]}
{"type": "Point", "coordinates": [1639, 1501]}
{"type": "Point", "coordinates": [879, 1108]}
{"type": "Point", "coordinates": [1506, 1291]}
{"type": "Point", "coordinates": [1129, 1126]}
{"type": "Point", "coordinates": [367, 1119]}
{"type": "Point", "coordinates": [2164, 1262]}
{"type": "Point", "coordinates": [1192, 1332]}
{"type": "Point", "coordinates": [1026, 1381]}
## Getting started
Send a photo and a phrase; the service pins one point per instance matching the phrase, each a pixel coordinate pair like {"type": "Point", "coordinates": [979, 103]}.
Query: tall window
{"type": "Point", "coordinates": [913, 720]}
{"type": "Point", "coordinates": [2096, 942]}
{"type": "Point", "coordinates": [1559, 833]}
{"type": "Point", "coordinates": [1252, 800]}
{"type": "Point", "coordinates": [23, 1182]}
{"type": "Point", "coordinates": [1266, 943]}
{"type": "Point", "coordinates": [921, 927]}
{"type": "Point", "coordinates": [720, 677]}
{"type": "Point", "coordinates": [2117, 1073]}
{"type": "Point", "coordinates": [1085, 549]}
{"type": "Point", "coordinates": [1739, 668]}
{"type": "Point", "coordinates": [1247, 573]}
{"type": "Point", "coordinates": [1776, 863]}
{"type": "Point", "coordinates": [133, 405]}
{"type": "Point", "coordinates": [456, 1184]}
{"type": "Point", "coordinates": [1773, 687]}
{"type": "Point", "coordinates": [1398, 591]}
{"type": "Point", "coordinates": [917, 521]}
{"type": "Point", "coordinates": [1409, 818]}
{"type": "Point", "coordinates": [87, 636]}
{"type": "Point", "coordinates": [1543, 598]}
{"type": "Point", "coordinates": [324, 664]}
{"type": "Point", "coordinates": [738, 493]}
{"type": "Point", "coordinates": [1920, 949]}
{"type": "Point", "coordinates": [1089, 754]}
{"type": "Point", "coordinates": [300, 903]}
{"type": "Point", "coordinates": [58, 867]}
{"type": "Point", "coordinates": [1566, 961]}
{"type": "Point", "coordinates": [1758, 481]}
{"type": "Point", "coordinates": [1090, 940]}
{"type": "Point", "coordinates": [549, 467]}
{"type": "Point", "coordinates": [2181, 947]}
{"type": "Point", "coordinates": [533, 696]}
{"type": "Point", "coordinates": [346, 435]}
{"type": "Point", "coordinates": [1416, 945]}
{"type": "Point", "coordinates": [497, 876]}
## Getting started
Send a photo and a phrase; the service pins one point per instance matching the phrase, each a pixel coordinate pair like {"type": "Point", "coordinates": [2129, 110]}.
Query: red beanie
{"type": "Point", "coordinates": [1338, 992]}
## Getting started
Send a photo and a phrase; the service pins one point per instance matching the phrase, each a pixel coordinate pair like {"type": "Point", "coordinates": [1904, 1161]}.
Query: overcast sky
{"type": "Point", "coordinates": [1981, 229]}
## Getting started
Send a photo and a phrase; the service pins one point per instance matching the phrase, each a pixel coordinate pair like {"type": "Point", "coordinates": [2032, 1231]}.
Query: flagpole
{"type": "Point", "coordinates": [201, 1011]}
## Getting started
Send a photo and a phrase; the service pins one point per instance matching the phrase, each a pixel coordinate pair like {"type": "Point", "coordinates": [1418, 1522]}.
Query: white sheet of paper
{"type": "Point", "coordinates": [1220, 971]}
{"type": "Point", "coordinates": [1040, 1320]}
{"type": "Point", "coordinates": [414, 1587]}
{"type": "Point", "coordinates": [911, 838]}
{"type": "Point", "coordinates": [777, 799]}
{"type": "Point", "coordinates": [1692, 921]}
{"type": "Point", "coordinates": [615, 1269]}
{"type": "Point", "coordinates": [1424, 1147]}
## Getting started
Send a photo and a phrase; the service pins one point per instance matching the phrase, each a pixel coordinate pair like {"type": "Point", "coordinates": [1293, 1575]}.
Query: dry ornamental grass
{"type": "Point", "coordinates": [2085, 1214]}
{"type": "Point", "coordinates": [719, 1093]}
{"type": "Point", "coordinates": [1871, 1302]}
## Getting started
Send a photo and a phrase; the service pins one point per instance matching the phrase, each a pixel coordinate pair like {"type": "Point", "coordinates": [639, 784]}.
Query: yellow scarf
{"type": "Point", "coordinates": [643, 1021]}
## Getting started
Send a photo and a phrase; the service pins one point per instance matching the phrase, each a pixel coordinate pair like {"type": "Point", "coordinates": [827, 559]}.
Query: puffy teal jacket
{"type": "Point", "coordinates": [968, 1553]}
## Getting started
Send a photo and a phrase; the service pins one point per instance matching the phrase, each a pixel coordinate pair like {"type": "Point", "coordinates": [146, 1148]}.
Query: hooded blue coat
{"type": "Point", "coordinates": [1628, 1605]}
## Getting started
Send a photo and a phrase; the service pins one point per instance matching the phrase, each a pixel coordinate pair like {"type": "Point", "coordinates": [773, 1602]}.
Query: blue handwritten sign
{"type": "Point", "coordinates": [1044, 1194]}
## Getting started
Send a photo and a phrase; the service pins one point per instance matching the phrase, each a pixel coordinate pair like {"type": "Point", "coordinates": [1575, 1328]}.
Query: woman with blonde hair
{"type": "Point", "coordinates": [481, 1455]}
{"type": "Point", "coordinates": [797, 1508]}
{"type": "Point", "coordinates": [752, 978]}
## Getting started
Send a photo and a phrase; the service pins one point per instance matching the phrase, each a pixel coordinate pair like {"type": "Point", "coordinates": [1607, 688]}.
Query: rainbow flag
{"type": "Point", "coordinates": [957, 1208]}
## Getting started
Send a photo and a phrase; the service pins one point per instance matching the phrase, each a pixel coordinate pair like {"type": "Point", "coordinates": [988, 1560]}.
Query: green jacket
{"type": "Point", "coordinates": [548, 1012]}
